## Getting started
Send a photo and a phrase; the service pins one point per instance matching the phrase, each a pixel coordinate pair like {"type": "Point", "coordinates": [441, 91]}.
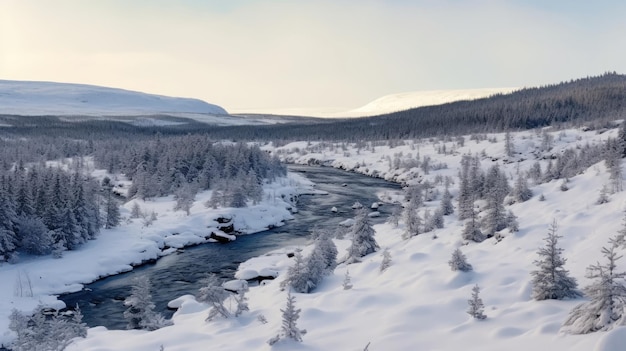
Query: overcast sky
{"type": "Point", "coordinates": [254, 54]}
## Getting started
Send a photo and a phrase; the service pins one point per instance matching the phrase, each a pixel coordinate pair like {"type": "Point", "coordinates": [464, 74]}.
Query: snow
{"type": "Point", "coordinates": [48, 98]}
{"type": "Point", "coordinates": [417, 303]}
{"type": "Point", "coordinates": [119, 249]}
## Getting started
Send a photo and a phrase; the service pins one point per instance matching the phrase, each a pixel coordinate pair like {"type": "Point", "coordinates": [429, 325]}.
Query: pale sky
{"type": "Point", "coordinates": [254, 54]}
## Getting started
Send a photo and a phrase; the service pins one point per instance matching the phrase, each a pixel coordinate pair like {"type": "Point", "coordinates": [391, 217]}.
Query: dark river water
{"type": "Point", "coordinates": [178, 274]}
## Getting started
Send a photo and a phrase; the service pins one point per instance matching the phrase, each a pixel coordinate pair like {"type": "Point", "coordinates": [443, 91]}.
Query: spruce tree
{"type": "Point", "coordinates": [386, 262]}
{"type": "Point", "coordinates": [140, 313]}
{"type": "Point", "coordinates": [289, 328]}
{"type": "Point", "coordinates": [446, 206]}
{"type": "Point", "coordinates": [412, 219]}
{"type": "Point", "coordinates": [363, 241]}
{"type": "Point", "coordinates": [476, 307]}
{"type": "Point", "coordinates": [551, 280]}
{"type": "Point", "coordinates": [347, 281]}
{"type": "Point", "coordinates": [213, 294]}
{"type": "Point", "coordinates": [458, 261]}
{"type": "Point", "coordinates": [607, 297]}
{"type": "Point", "coordinates": [297, 274]}
{"type": "Point", "coordinates": [112, 211]}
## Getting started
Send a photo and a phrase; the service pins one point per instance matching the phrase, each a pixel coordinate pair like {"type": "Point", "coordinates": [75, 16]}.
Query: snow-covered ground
{"type": "Point", "coordinates": [29, 98]}
{"type": "Point", "coordinates": [418, 303]}
{"type": "Point", "coordinates": [117, 250]}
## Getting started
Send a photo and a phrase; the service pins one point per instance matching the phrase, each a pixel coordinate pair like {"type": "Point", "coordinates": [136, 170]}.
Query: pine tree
{"type": "Point", "coordinates": [289, 329]}
{"type": "Point", "coordinates": [347, 281]}
{"type": "Point", "coordinates": [135, 211]}
{"type": "Point", "coordinates": [511, 222]}
{"type": "Point", "coordinates": [551, 280]}
{"type": "Point", "coordinates": [140, 312]}
{"type": "Point", "coordinates": [412, 219]}
{"type": "Point", "coordinates": [446, 206]}
{"type": "Point", "coordinates": [112, 211]}
{"type": "Point", "coordinates": [509, 149]}
{"type": "Point", "coordinates": [8, 237]}
{"type": "Point", "coordinates": [496, 189]}
{"type": "Point", "coordinates": [40, 332]}
{"type": "Point", "coordinates": [472, 231]}
{"type": "Point", "coordinates": [213, 294]}
{"type": "Point", "coordinates": [607, 297]}
{"type": "Point", "coordinates": [297, 274]}
{"type": "Point", "coordinates": [363, 241]}
{"type": "Point", "coordinates": [521, 192]}
{"type": "Point", "coordinates": [476, 306]}
{"type": "Point", "coordinates": [36, 239]}
{"type": "Point", "coordinates": [458, 262]}
{"type": "Point", "coordinates": [602, 197]}
{"type": "Point", "coordinates": [386, 262]}
{"type": "Point", "coordinates": [242, 302]}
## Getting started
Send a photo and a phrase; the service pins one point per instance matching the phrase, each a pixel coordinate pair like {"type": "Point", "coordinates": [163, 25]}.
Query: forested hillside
{"type": "Point", "coordinates": [593, 101]}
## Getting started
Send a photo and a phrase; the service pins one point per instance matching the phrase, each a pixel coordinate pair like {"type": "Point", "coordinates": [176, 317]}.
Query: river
{"type": "Point", "coordinates": [175, 275]}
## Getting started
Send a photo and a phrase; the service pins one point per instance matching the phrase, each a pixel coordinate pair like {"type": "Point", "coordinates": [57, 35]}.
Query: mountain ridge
{"type": "Point", "coordinates": [31, 98]}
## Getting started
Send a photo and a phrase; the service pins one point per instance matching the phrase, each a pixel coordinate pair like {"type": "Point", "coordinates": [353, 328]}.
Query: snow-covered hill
{"type": "Point", "coordinates": [63, 99]}
{"type": "Point", "coordinates": [405, 101]}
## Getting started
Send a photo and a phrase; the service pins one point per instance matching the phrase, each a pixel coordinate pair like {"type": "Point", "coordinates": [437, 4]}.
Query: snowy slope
{"type": "Point", "coordinates": [41, 98]}
{"type": "Point", "coordinates": [416, 304]}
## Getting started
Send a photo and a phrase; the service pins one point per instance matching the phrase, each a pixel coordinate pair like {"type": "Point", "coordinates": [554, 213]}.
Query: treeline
{"type": "Point", "coordinates": [594, 101]}
{"type": "Point", "coordinates": [184, 165]}
{"type": "Point", "coordinates": [47, 210]}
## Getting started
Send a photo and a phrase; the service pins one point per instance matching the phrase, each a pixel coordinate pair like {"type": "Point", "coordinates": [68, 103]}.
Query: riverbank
{"type": "Point", "coordinates": [37, 280]}
{"type": "Point", "coordinates": [418, 302]}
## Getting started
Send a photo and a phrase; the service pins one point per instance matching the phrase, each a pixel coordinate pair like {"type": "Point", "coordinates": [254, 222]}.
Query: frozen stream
{"type": "Point", "coordinates": [172, 276]}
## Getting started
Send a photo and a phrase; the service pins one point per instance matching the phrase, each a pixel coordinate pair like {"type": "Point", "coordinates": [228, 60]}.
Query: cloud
{"type": "Point", "coordinates": [275, 54]}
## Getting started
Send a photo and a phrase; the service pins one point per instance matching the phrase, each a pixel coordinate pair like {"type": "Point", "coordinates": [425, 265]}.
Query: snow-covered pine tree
{"type": "Point", "coordinates": [140, 312]}
{"type": "Point", "coordinates": [386, 262]}
{"type": "Point", "coordinates": [602, 196]}
{"type": "Point", "coordinates": [412, 220]}
{"type": "Point", "coordinates": [613, 161]}
{"type": "Point", "coordinates": [511, 222]}
{"type": "Point", "coordinates": [184, 196]}
{"type": "Point", "coordinates": [347, 281]}
{"type": "Point", "coordinates": [395, 216]}
{"type": "Point", "coordinates": [472, 231]}
{"type": "Point", "coordinates": [112, 211]}
{"type": "Point", "coordinates": [35, 237]}
{"type": "Point", "coordinates": [363, 241]}
{"type": "Point", "coordinates": [551, 280]}
{"type": "Point", "coordinates": [135, 211]}
{"type": "Point", "coordinates": [315, 268]}
{"type": "Point", "coordinates": [297, 274]}
{"type": "Point", "coordinates": [8, 239]}
{"type": "Point", "coordinates": [466, 192]}
{"type": "Point", "coordinates": [325, 244]}
{"type": "Point", "coordinates": [458, 261]}
{"type": "Point", "coordinates": [496, 189]}
{"type": "Point", "coordinates": [213, 294]}
{"type": "Point", "coordinates": [40, 332]}
{"type": "Point", "coordinates": [509, 149]}
{"type": "Point", "coordinates": [607, 295]}
{"type": "Point", "coordinates": [445, 205]}
{"type": "Point", "coordinates": [476, 307]}
{"type": "Point", "coordinates": [242, 302]}
{"type": "Point", "coordinates": [289, 328]}
{"type": "Point", "coordinates": [521, 191]}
